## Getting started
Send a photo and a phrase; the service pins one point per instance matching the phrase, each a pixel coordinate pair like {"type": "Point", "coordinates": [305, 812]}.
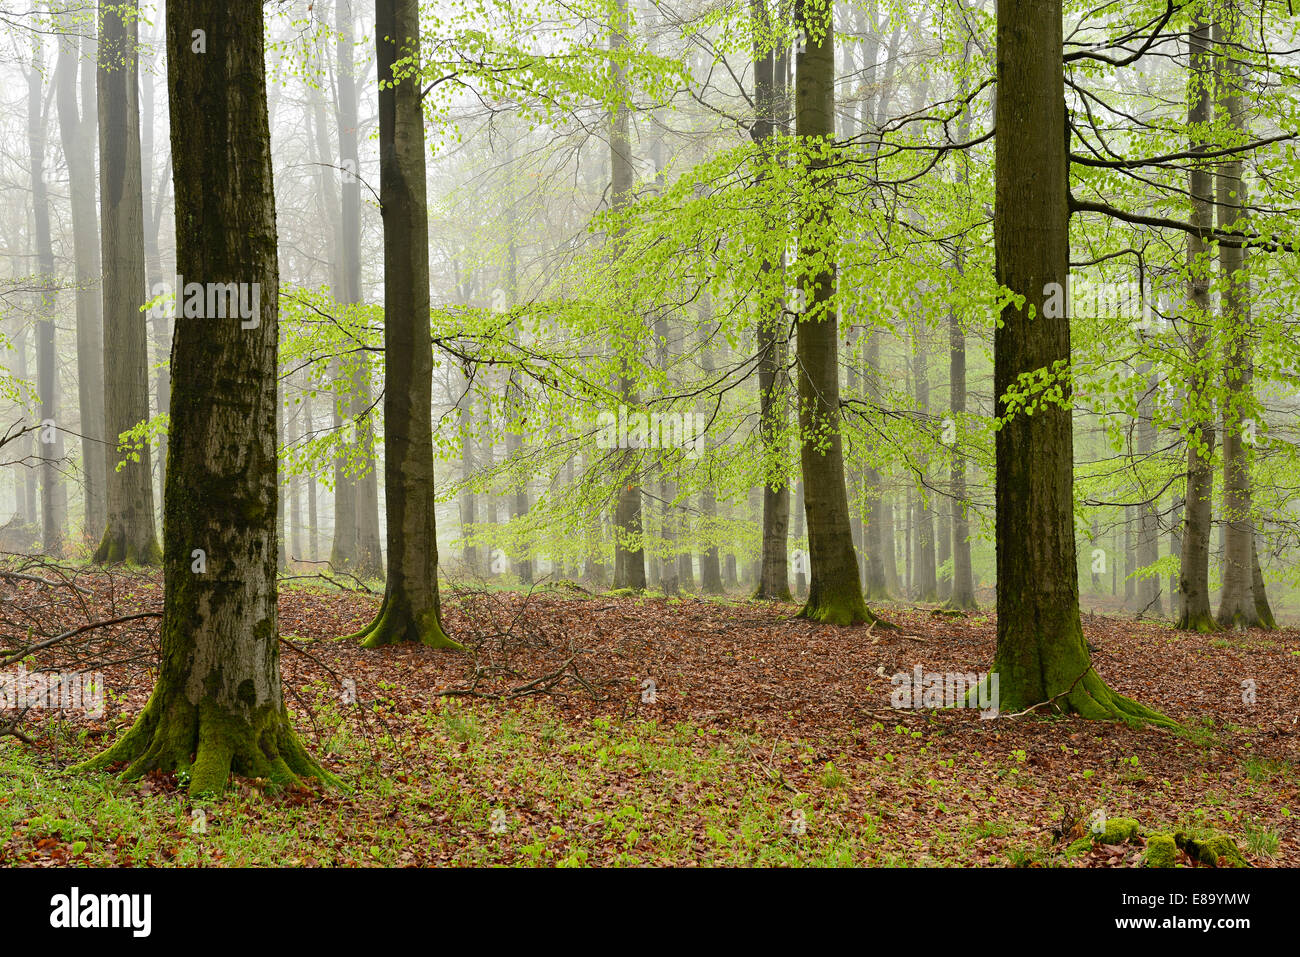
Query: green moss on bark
{"type": "Point", "coordinates": [396, 623]}
{"type": "Point", "coordinates": [207, 744]}
{"type": "Point", "coordinates": [114, 548]}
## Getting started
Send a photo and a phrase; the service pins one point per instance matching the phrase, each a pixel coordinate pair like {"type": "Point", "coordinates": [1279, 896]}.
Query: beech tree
{"type": "Point", "coordinates": [1041, 657]}
{"type": "Point", "coordinates": [129, 535]}
{"type": "Point", "coordinates": [410, 609]}
{"type": "Point", "coordinates": [834, 590]}
{"type": "Point", "coordinates": [218, 705]}
{"type": "Point", "coordinates": [77, 133]}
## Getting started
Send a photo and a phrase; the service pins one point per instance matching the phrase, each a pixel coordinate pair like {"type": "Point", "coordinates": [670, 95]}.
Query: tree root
{"type": "Point", "coordinates": [205, 745]}
{"type": "Point", "coordinates": [395, 624]}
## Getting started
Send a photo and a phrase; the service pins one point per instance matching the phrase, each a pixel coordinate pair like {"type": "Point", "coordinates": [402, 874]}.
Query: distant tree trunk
{"type": "Point", "coordinates": [943, 548]}
{"type": "Point", "coordinates": [889, 547]}
{"type": "Point", "coordinates": [629, 552]}
{"type": "Point", "coordinates": [296, 432]}
{"type": "Point", "coordinates": [1041, 656]}
{"type": "Point", "coordinates": [835, 593]}
{"type": "Point", "coordinates": [162, 340]}
{"type": "Point", "coordinates": [1175, 550]}
{"type": "Point", "coordinates": [927, 580]}
{"type": "Point", "coordinates": [218, 704]}
{"type": "Point", "coordinates": [1237, 605]}
{"type": "Point", "coordinates": [769, 98]}
{"type": "Point", "coordinates": [685, 560]}
{"type": "Point", "coordinates": [77, 132]}
{"type": "Point", "coordinates": [877, 544]}
{"type": "Point", "coordinates": [710, 565]}
{"type": "Point", "coordinates": [130, 534]}
{"type": "Point", "coordinates": [54, 496]}
{"type": "Point", "coordinates": [800, 572]}
{"type": "Point", "coordinates": [517, 402]}
{"type": "Point", "coordinates": [963, 582]}
{"type": "Point", "coordinates": [1262, 608]}
{"type": "Point", "coordinates": [1148, 544]}
{"type": "Point", "coordinates": [282, 552]}
{"type": "Point", "coordinates": [909, 556]}
{"type": "Point", "coordinates": [523, 564]}
{"type": "Point", "coordinates": [1130, 557]}
{"type": "Point", "coordinates": [343, 549]}
{"type": "Point", "coordinates": [313, 519]}
{"type": "Point", "coordinates": [369, 555]}
{"type": "Point", "coordinates": [26, 477]}
{"type": "Point", "coordinates": [410, 610]}
{"type": "Point", "coordinates": [468, 500]}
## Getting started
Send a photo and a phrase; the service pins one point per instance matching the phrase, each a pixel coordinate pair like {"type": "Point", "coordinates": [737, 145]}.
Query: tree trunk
{"type": "Point", "coordinates": [410, 610]}
{"type": "Point", "coordinates": [468, 500]}
{"type": "Point", "coordinates": [1148, 544]}
{"type": "Point", "coordinates": [629, 551]}
{"type": "Point", "coordinates": [710, 565]}
{"type": "Point", "coordinates": [1194, 565]}
{"type": "Point", "coordinates": [1041, 657]}
{"type": "Point", "coordinates": [369, 557]}
{"type": "Point", "coordinates": [878, 539]}
{"type": "Point", "coordinates": [1237, 606]}
{"type": "Point", "coordinates": [77, 133]}
{"type": "Point", "coordinates": [963, 582]}
{"type": "Point", "coordinates": [835, 593]}
{"type": "Point", "coordinates": [218, 705]}
{"type": "Point", "coordinates": [54, 496]}
{"type": "Point", "coordinates": [769, 97]}
{"type": "Point", "coordinates": [927, 580]}
{"type": "Point", "coordinates": [1262, 608]}
{"type": "Point", "coordinates": [130, 534]}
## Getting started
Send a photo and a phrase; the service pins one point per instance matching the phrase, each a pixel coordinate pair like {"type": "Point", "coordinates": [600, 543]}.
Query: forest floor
{"type": "Point", "coordinates": [765, 740]}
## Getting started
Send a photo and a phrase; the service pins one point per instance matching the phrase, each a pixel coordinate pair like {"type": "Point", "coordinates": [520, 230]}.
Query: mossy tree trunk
{"type": "Point", "coordinates": [835, 591]}
{"type": "Point", "coordinates": [130, 535]}
{"type": "Point", "coordinates": [218, 705]}
{"type": "Point", "coordinates": [410, 609]}
{"type": "Point", "coordinates": [1194, 563]}
{"type": "Point", "coordinates": [1041, 656]}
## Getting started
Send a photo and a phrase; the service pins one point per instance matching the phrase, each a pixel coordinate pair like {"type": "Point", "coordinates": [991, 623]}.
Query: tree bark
{"type": "Point", "coordinates": [54, 501]}
{"type": "Point", "coordinates": [629, 550]}
{"type": "Point", "coordinates": [77, 132]}
{"type": "Point", "coordinates": [1041, 657]}
{"type": "Point", "coordinates": [130, 534]}
{"type": "Point", "coordinates": [1194, 565]}
{"type": "Point", "coordinates": [1237, 605]}
{"type": "Point", "coordinates": [410, 610]}
{"type": "Point", "coordinates": [835, 592]}
{"type": "Point", "coordinates": [1148, 541]}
